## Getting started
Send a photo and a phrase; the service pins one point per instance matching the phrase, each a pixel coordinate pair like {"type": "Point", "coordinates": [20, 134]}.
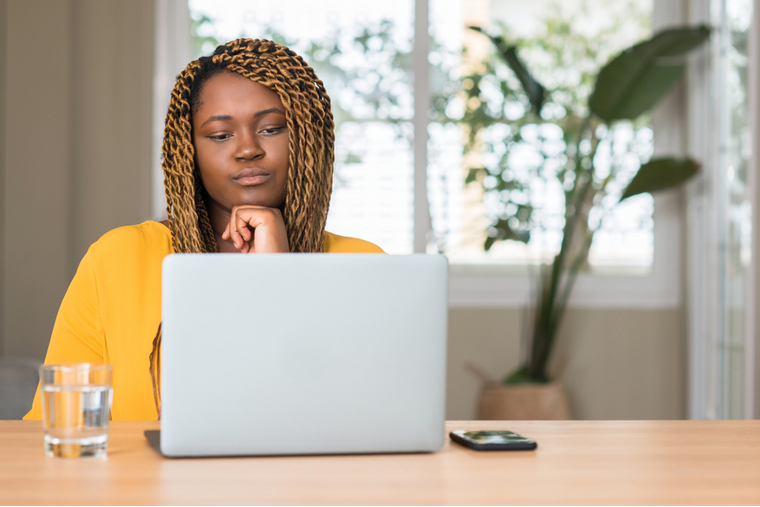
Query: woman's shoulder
{"type": "Point", "coordinates": [344, 244]}
{"type": "Point", "coordinates": [148, 238]}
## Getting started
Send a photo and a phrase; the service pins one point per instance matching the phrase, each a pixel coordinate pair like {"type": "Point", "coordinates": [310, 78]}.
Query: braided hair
{"type": "Point", "coordinates": [311, 139]}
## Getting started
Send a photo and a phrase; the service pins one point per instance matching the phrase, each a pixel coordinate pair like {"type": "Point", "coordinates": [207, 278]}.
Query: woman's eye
{"type": "Point", "coordinates": [272, 131]}
{"type": "Point", "coordinates": [220, 137]}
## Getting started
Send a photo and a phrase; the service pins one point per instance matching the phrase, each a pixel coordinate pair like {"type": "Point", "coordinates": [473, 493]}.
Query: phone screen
{"type": "Point", "coordinates": [486, 440]}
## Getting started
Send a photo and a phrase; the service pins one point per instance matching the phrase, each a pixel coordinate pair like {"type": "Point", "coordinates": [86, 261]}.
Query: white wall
{"type": "Point", "coordinates": [76, 161]}
{"type": "Point", "coordinates": [620, 364]}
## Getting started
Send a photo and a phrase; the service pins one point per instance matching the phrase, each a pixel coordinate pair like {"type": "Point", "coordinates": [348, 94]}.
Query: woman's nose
{"type": "Point", "coordinates": [248, 148]}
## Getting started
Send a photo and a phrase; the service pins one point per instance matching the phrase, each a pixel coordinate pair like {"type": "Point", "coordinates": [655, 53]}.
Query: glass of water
{"type": "Point", "coordinates": [76, 406]}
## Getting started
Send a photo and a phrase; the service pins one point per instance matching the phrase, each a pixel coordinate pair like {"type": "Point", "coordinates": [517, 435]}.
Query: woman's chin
{"type": "Point", "coordinates": [226, 205]}
{"type": "Point", "coordinates": [257, 199]}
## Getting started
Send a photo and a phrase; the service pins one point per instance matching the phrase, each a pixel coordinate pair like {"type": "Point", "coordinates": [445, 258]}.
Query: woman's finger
{"type": "Point", "coordinates": [242, 226]}
{"type": "Point", "coordinates": [244, 230]}
{"type": "Point", "coordinates": [235, 236]}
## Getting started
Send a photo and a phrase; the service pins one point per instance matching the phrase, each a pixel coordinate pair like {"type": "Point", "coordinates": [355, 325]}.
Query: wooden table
{"type": "Point", "coordinates": [577, 462]}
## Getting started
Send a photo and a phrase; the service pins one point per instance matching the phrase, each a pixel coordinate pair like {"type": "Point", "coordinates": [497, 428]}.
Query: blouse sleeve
{"type": "Point", "coordinates": [78, 332]}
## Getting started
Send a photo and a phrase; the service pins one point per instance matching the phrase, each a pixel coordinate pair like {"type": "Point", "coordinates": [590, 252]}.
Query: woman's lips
{"type": "Point", "coordinates": [251, 177]}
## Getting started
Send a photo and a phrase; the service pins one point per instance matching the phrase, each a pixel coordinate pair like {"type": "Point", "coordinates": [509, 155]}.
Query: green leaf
{"type": "Point", "coordinates": [472, 174]}
{"type": "Point", "coordinates": [638, 78]}
{"type": "Point", "coordinates": [503, 233]}
{"type": "Point", "coordinates": [535, 90]}
{"type": "Point", "coordinates": [507, 232]}
{"type": "Point", "coordinates": [659, 174]}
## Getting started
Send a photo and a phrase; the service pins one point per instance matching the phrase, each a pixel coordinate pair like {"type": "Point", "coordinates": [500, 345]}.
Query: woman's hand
{"type": "Point", "coordinates": [257, 229]}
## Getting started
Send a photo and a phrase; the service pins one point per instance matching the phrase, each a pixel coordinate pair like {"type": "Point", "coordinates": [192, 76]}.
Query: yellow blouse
{"type": "Point", "coordinates": [112, 309]}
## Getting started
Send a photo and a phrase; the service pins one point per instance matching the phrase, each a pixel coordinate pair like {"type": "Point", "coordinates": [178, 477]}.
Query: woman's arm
{"type": "Point", "coordinates": [77, 333]}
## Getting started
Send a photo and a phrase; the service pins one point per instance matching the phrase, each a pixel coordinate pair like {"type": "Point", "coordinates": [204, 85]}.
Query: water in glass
{"type": "Point", "coordinates": [76, 420]}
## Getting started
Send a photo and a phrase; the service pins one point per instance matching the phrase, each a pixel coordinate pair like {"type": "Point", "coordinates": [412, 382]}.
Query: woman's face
{"type": "Point", "coordinates": [240, 136]}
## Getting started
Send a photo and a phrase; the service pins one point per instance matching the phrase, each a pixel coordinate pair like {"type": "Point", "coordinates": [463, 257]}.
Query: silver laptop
{"type": "Point", "coordinates": [302, 354]}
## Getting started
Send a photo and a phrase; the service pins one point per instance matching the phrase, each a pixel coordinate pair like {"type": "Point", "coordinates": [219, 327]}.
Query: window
{"type": "Point", "coordinates": [721, 266]}
{"type": "Point", "coordinates": [563, 47]}
{"type": "Point", "coordinates": [365, 54]}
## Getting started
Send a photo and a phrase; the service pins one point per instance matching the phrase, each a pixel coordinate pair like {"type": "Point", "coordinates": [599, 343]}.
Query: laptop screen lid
{"type": "Point", "coordinates": [302, 354]}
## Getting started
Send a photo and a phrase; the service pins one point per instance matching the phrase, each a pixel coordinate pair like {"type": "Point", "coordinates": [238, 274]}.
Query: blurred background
{"type": "Point", "coordinates": [662, 322]}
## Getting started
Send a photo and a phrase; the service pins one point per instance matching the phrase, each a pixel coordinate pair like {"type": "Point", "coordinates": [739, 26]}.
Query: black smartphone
{"type": "Point", "coordinates": [493, 440]}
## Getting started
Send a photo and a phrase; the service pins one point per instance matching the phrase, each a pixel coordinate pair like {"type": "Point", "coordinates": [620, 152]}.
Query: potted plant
{"type": "Point", "coordinates": [623, 92]}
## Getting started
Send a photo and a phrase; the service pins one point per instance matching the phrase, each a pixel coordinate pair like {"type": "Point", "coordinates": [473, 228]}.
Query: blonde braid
{"type": "Point", "coordinates": [311, 140]}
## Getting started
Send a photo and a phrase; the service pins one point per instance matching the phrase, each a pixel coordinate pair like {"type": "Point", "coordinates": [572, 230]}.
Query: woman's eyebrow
{"type": "Point", "coordinates": [267, 111]}
{"type": "Point", "coordinates": [220, 117]}
{"type": "Point", "coordinates": [224, 117]}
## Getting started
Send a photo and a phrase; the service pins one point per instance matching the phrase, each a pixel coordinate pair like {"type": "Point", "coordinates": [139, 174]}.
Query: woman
{"type": "Point", "coordinates": [248, 164]}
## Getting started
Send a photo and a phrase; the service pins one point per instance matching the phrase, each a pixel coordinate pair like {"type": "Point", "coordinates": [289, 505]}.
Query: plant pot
{"type": "Point", "coordinates": [532, 402]}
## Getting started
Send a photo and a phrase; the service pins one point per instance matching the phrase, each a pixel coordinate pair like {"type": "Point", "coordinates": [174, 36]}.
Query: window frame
{"type": "Point", "coordinates": [492, 286]}
{"type": "Point", "coordinates": [171, 54]}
